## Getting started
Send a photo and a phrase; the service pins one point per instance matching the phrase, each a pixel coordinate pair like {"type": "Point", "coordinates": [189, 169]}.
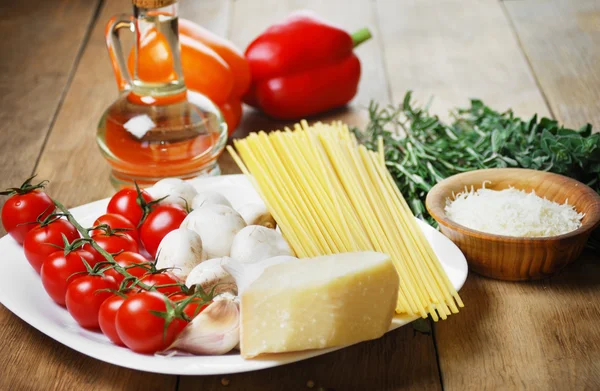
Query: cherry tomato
{"type": "Point", "coordinates": [163, 278]}
{"type": "Point", "coordinates": [97, 256]}
{"type": "Point", "coordinates": [84, 298]}
{"type": "Point", "coordinates": [143, 331]}
{"type": "Point", "coordinates": [115, 221]}
{"type": "Point", "coordinates": [116, 242]}
{"type": "Point", "coordinates": [41, 241]}
{"type": "Point", "coordinates": [125, 259]}
{"type": "Point", "coordinates": [59, 270]}
{"type": "Point", "coordinates": [21, 209]}
{"type": "Point", "coordinates": [193, 308]}
{"type": "Point", "coordinates": [124, 203]}
{"type": "Point", "coordinates": [107, 317]}
{"type": "Point", "coordinates": [161, 221]}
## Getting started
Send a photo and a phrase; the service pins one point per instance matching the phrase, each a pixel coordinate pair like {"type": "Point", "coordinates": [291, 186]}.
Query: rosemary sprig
{"type": "Point", "coordinates": [421, 150]}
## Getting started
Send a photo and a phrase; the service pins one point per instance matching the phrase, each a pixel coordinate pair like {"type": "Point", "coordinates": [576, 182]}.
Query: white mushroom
{"type": "Point", "coordinates": [256, 243]}
{"type": "Point", "coordinates": [176, 190]}
{"type": "Point", "coordinates": [206, 197]}
{"type": "Point", "coordinates": [210, 273]}
{"type": "Point", "coordinates": [180, 249]}
{"type": "Point", "coordinates": [217, 225]}
{"type": "Point", "coordinates": [257, 214]}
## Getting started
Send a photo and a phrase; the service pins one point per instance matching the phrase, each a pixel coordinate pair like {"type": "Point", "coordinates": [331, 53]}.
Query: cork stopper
{"type": "Point", "coordinates": [152, 3]}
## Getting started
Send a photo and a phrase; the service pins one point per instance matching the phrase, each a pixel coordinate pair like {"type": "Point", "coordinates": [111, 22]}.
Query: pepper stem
{"type": "Point", "coordinates": [360, 36]}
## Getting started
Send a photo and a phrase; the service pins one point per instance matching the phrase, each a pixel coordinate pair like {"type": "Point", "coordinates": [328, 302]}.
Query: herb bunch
{"type": "Point", "coordinates": [421, 150]}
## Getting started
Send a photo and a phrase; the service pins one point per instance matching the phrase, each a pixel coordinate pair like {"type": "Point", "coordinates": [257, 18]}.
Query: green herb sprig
{"type": "Point", "coordinates": [421, 149]}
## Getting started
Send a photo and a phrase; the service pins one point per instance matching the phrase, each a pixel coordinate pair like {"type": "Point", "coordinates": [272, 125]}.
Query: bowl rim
{"type": "Point", "coordinates": [436, 200]}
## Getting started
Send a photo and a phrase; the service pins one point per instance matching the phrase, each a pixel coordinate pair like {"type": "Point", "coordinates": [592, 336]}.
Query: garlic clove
{"type": "Point", "coordinates": [216, 330]}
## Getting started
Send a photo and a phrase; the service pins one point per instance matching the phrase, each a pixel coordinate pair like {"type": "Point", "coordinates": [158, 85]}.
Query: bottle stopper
{"type": "Point", "coordinates": [152, 3]}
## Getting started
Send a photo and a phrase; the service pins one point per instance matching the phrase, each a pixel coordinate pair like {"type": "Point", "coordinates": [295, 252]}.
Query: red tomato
{"type": "Point", "coordinates": [161, 221]}
{"type": "Point", "coordinates": [163, 279]}
{"type": "Point", "coordinates": [141, 330]}
{"type": "Point", "coordinates": [97, 256]}
{"type": "Point", "coordinates": [116, 242]}
{"type": "Point", "coordinates": [125, 259]}
{"type": "Point", "coordinates": [21, 209]}
{"type": "Point", "coordinates": [41, 241]}
{"type": "Point", "coordinates": [107, 316]}
{"type": "Point", "coordinates": [193, 308]}
{"type": "Point", "coordinates": [59, 270]}
{"type": "Point", "coordinates": [115, 221]}
{"type": "Point", "coordinates": [124, 203]}
{"type": "Point", "coordinates": [84, 298]}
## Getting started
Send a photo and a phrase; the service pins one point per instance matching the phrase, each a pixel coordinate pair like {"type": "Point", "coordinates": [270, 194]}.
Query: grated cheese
{"type": "Point", "coordinates": [512, 212]}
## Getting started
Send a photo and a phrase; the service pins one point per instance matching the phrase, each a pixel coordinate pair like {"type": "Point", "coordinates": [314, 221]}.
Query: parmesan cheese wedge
{"type": "Point", "coordinates": [316, 303]}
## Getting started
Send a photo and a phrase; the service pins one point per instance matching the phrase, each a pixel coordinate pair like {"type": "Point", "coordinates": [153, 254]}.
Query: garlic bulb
{"type": "Point", "coordinates": [210, 273]}
{"type": "Point", "coordinates": [216, 330]}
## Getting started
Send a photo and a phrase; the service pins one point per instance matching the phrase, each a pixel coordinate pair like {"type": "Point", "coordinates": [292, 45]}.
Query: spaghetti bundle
{"type": "Point", "coordinates": [329, 195]}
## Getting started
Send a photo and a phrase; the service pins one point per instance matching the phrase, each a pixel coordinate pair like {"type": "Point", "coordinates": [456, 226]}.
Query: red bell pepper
{"type": "Point", "coordinates": [303, 66]}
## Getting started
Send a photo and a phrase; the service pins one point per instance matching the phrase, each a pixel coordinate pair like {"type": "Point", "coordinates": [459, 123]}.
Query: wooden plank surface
{"type": "Point", "coordinates": [34, 73]}
{"type": "Point", "coordinates": [545, 334]}
{"type": "Point", "coordinates": [78, 174]}
{"type": "Point", "coordinates": [455, 50]}
{"type": "Point", "coordinates": [541, 335]}
{"type": "Point", "coordinates": [561, 39]}
{"type": "Point", "coordinates": [402, 359]}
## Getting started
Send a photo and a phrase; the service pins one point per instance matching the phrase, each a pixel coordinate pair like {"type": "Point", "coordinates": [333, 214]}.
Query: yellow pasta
{"type": "Point", "coordinates": [329, 194]}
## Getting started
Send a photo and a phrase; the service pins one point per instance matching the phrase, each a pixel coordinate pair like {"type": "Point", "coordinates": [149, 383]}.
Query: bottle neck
{"type": "Point", "coordinates": [157, 67]}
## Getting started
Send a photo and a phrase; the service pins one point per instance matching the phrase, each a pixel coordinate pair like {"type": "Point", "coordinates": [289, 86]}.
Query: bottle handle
{"type": "Point", "coordinates": [115, 51]}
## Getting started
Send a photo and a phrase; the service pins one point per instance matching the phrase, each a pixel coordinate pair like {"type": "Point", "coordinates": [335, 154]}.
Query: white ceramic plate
{"type": "Point", "coordinates": [21, 291]}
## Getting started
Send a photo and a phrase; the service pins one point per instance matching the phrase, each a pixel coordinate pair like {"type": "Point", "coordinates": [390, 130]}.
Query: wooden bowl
{"type": "Point", "coordinates": [517, 258]}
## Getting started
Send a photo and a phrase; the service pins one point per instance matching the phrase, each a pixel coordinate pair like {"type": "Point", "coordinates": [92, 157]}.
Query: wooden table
{"type": "Point", "coordinates": [536, 56]}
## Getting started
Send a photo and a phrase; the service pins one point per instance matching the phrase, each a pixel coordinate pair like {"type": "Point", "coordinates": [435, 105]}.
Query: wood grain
{"type": "Point", "coordinates": [34, 73]}
{"type": "Point", "coordinates": [561, 39]}
{"type": "Point", "coordinates": [454, 50]}
{"type": "Point", "coordinates": [46, 363]}
{"type": "Point", "coordinates": [517, 258]}
{"type": "Point", "coordinates": [540, 335]}
{"type": "Point", "coordinates": [399, 360]}
{"type": "Point", "coordinates": [78, 174]}
{"type": "Point", "coordinates": [40, 48]}
{"type": "Point", "coordinates": [392, 362]}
